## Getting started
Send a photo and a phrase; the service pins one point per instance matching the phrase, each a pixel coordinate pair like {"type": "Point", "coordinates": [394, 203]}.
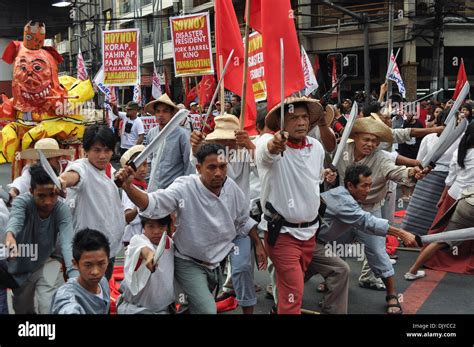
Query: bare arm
{"type": "Point", "coordinates": [130, 215]}
{"type": "Point", "coordinates": [407, 238]}
{"type": "Point", "coordinates": [140, 139]}
{"type": "Point", "coordinates": [401, 160]}
{"type": "Point", "coordinates": [69, 179]}
{"type": "Point", "coordinates": [137, 196]}
{"type": "Point", "coordinates": [420, 132]}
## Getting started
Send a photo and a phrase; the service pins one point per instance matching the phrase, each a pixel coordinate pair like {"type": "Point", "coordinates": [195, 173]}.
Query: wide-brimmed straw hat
{"type": "Point", "coordinates": [224, 128]}
{"type": "Point", "coordinates": [369, 125]}
{"type": "Point", "coordinates": [49, 147]}
{"type": "Point", "coordinates": [130, 153]}
{"type": "Point", "coordinates": [315, 109]}
{"type": "Point", "coordinates": [164, 99]}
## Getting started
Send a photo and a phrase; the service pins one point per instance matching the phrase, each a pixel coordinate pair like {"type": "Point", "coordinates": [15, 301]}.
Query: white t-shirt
{"type": "Point", "coordinates": [291, 183]}
{"type": "Point", "coordinates": [428, 142]}
{"type": "Point", "coordinates": [460, 178]}
{"type": "Point", "coordinates": [95, 203]}
{"type": "Point", "coordinates": [135, 226]}
{"type": "Point", "coordinates": [130, 130]}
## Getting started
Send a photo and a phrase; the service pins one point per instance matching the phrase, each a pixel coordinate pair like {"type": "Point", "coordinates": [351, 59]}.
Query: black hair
{"type": "Point", "coordinates": [208, 149]}
{"type": "Point", "coordinates": [371, 108]}
{"type": "Point", "coordinates": [87, 240]}
{"type": "Point", "coordinates": [237, 97]}
{"type": "Point", "coordinates": [166, 221]}
{"type": "Point", "coordinates": [354, 171]}
{"type": "Point", "coordinates": [98, 134]}
{"type": "Point", "coordinates": [467, 141]}
{"type": "Point", "coordinates": [39, 176]}
{"type": "Point", "coordinates": [236, 110]}
{"type": "Point", "coordinates": [261, 114]}
{"type": "Point", "coordinates": [469, 108]}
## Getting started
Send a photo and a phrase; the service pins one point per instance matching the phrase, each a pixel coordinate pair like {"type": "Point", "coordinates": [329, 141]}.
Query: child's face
{"type": "Point", "coordinates": [141, 172]}
{"type": "Point", "coordinates": [92, 266]}
{"type": "Point", "coordinates": [154, 231]}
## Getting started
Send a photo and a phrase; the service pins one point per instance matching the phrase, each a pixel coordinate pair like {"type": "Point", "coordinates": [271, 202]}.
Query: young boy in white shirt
{"type": "Point", "coordinates": [148, 285]}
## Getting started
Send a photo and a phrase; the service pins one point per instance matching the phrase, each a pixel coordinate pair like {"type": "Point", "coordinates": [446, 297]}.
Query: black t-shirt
{"type": "Point", "coordinates": [410, 149]}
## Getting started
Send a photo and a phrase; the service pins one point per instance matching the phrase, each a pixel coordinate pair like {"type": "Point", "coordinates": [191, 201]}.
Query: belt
{"type": "Point", "coordinates": [294, 225]}
{"type": "Point", "coordinates": [200, 262]}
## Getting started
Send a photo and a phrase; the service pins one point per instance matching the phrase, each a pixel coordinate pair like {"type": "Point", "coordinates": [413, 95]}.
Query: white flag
{"type": "Point", "coordinates": [156, 88]}
{"type": "Point", "coordinates": [311, 84]}
{"type": "Point", "coordinates": [394, 74]}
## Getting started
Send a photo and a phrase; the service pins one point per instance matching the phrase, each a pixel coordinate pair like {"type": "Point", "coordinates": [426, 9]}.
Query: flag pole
{"type": "Point", "coordinates": [246, 65]}
{"type": "Point", "coordinates": [222, 90]}
{"type": "Point", "coordinates": [282, 87]}
{"type": "Point", "coordinates": [221, 80]}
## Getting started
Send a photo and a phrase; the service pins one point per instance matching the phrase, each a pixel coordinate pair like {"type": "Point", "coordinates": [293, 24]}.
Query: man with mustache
{"type": "Point", "coordinates": [211, 211]}
{"type": "Point", "coordinates": [171, 159]}
{"type": "Point", "coordinates": [290, 167]}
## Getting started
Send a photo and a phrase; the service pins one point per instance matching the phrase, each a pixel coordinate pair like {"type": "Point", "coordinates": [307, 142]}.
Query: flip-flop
{"type": "Point", "coordinates": [372, 286]}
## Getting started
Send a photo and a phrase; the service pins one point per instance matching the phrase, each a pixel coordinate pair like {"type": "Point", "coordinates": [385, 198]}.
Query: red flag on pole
{"type": "Point", "coordinates": [228, 38]}
{"type": "Point", "coordinates": [206, 90]}
{"type": "Point", "coordinates": [462, 79]}
{"type": "Point", "coordinates": [81, 67]}
{"type": "Point", "coordinates": [275, 20]}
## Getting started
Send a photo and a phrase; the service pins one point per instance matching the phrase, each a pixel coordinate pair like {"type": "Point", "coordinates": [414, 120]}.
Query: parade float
{"type": "Point", "coordinates": [43, 104]}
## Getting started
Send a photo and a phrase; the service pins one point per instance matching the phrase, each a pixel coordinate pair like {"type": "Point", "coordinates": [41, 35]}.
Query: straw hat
{"type": "Point", "coordinates": [130, 153]}
{"type": "Point", "coordinates": [371, 126]}
{"type": "Point", "coordinates": [314, 107]}
{"type": "Point", "coordinates": [224, 128]}
{"type": "Point", "coordinates": [49, 147]}
{"type": "Point", "coordinates": [164, 99]}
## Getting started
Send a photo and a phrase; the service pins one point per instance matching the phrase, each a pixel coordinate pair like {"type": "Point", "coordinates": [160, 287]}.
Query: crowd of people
{"type": "Point", "coordinates": [212, 203]}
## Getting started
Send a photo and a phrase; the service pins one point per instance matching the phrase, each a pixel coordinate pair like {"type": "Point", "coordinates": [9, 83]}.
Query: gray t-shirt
{"type": "Point", "coordinates": [29, 229]}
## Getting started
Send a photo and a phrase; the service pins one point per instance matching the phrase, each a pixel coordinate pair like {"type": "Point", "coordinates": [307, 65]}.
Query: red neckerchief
{"type": "Point", "coordinates": [304, 144]}
{"type": "Point", "coordinates": [108, 170]}
{"type": "Point", "coordinates": [141, 184]}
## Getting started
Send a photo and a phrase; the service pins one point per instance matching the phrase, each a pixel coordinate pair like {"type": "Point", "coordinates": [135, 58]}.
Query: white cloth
{"type": "Point", "coordinates": [135, 226]}
{"type": "Point", "coordinates": [206, 224]}
{"type": "Point", "coordinates": [291, 184]}
{"type": "Point", "coordinates": [153, 291]}
{"type": "Point", "coordinates": [129, 139]}
{"type": "Point", "coordinates": [95, 203]}
{"type": "Point", "coordinates": [428, 142]}
{"type": "Point", "coordinates": [458, 178]}
{"type": "Point", "coordinates": [22, 183]}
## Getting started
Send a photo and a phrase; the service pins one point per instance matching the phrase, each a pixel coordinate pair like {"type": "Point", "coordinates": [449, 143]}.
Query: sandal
{"type": "Point", "coordinates": [391, 297]}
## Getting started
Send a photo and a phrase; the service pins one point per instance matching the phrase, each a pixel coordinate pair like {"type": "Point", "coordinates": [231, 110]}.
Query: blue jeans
{"type": "Point", "coordinates": [242, 272]}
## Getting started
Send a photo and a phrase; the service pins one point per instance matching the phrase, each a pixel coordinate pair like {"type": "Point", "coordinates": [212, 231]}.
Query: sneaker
{"type": "Point", "coordinates": [393, 261]}
{"type": "Point", "coordinates": [411, 277]}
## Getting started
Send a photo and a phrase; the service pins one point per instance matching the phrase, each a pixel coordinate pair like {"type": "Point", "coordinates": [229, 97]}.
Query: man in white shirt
{"type": "Point", "coordinates": [211, 212]}
{"type": "Point", "coordinates": [132, 131]}
{"type": "Point", "coordinates": [92, 195]}
{"type": "Point", "coordinates": [290, 167]}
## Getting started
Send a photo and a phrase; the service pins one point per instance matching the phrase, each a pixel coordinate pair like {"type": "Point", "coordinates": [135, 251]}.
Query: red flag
{"type": "Point", "coordinates": [228, 38]}
{"type": "Point", "coordinates": [81, 67]}
{"type": "Point", "coordinates": [206, 90]}
{"type": "Point", "coordinates": [333, 77]}
{"type": "Point", "coordinates": [275, 20]}
{"type": "Point", "coordinates": [462, 79]}
{"type": "Point", "coordinates": [191, 96]}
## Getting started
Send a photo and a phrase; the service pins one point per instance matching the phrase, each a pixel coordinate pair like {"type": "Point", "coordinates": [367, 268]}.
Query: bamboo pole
{"type": "Point", "coordinates": [246, 66]}
{"type": "Point", "coordinates": [222, 98]}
